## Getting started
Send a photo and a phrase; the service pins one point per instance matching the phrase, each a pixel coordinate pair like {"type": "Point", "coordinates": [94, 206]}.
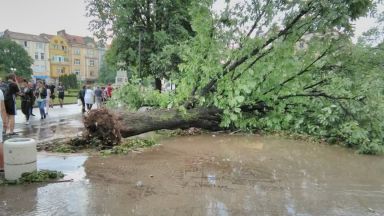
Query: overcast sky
{"type": "Point", "coordinates": [50, 16]}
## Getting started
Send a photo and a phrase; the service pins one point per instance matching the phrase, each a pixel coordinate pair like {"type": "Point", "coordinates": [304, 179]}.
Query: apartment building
{"type": "Point", "coordinates": [37, 48]}
{"type": "Point", "coordinates": [84, 55]}
{"type": "Point", "coordinates": [57, 55]}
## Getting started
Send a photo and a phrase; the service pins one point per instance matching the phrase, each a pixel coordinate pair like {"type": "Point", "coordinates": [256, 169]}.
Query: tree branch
{"type": "Point", "coordinates": [298, 74]}
{"type": "Point", "coordinates": [255, 51]}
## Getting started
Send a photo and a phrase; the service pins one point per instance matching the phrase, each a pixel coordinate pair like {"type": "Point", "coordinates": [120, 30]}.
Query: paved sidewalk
{"type": "Point", "coordinates": [60, 123]}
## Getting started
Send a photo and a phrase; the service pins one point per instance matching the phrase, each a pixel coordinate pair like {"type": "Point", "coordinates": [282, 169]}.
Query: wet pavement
{"type": "Point", "coordinates": [210, 175]}
{"type": "Point", "coordinates": [60, 123]}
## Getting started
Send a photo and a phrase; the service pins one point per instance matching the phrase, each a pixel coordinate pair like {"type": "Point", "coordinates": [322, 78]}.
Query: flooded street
{"type": "Point", "coordinates": [209, 175]}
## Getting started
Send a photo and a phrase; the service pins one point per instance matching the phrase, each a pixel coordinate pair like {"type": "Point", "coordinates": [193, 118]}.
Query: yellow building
{"type": "Point", "coordinates": [83, 55]}
{"type": "Point", "coordinates": [59, 56]}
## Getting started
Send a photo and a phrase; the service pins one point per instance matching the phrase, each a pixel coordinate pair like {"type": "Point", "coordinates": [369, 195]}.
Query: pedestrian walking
{"type": "Point", "coordinates": [89, 98]}
{"type": "Point", "coordinates": [41, 95]}
{"type": "Point", "coordinates": [98, 96]}
{"type": "Point", "coordinates": [26, 100]}
{"type": "Point", "coordinates": [60, 90]}
{"type": "Point", "coordinates": [81, 97]}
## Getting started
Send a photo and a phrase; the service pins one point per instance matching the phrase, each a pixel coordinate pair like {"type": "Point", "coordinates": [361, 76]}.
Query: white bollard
{"type": "Point", "coordinates": [20, 156]}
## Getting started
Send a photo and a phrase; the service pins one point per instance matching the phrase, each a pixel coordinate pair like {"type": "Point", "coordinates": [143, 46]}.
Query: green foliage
{"type": "Point", "coordinates": [12, 55]}
{"type": "Point", "coordinates": [274, 66]}
{"type": "Point", "coordinates": [36, 177]}
{"type": "Point", "coordinates": [128, 146]}
{"type": "Point", "coordinates": [64, 148]}
{"type": "Point", "coordinates": [69, 81]}
{"type": "Point", "coordinates": [134, 96]}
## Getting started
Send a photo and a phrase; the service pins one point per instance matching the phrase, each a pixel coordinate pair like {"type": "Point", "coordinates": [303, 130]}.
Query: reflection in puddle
{"type": "Point", "coordinates": [70, 165]}
{"type": "Point", "coordinates": [216, 208]}
{"type": "Point", "coordinates": [62, 198]}
{"type": "Point", "coordinates": [211, 179]}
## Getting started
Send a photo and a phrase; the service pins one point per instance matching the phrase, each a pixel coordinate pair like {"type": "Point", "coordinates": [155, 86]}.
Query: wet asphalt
{"type": "Point", "coordinates": [59, 123]}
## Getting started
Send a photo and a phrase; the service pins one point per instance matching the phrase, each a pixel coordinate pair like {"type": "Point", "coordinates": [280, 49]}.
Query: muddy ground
{"type": "Point", "coordinates": [237, 175]}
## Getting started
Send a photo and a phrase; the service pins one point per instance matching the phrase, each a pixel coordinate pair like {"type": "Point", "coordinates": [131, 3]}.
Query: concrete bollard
{"type": "Point", "coordinates": [20, 156]}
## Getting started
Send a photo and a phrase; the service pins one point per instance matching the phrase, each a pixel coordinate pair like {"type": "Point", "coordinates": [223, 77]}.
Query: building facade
{"type": "Point", "coordinates": [57, 55]}
{"type": "Point", "coordinates": [37, 48]}
{"type": "Point", "coordinates": [84, 55]}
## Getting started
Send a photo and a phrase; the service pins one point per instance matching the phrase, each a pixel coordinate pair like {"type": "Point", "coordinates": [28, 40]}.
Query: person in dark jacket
{"type": "Point", "coordinates": [41, 95]}
{"type": "Point", "coordinates": [81, 97]}
{"type": "Point", "coordinates": [26, 100]}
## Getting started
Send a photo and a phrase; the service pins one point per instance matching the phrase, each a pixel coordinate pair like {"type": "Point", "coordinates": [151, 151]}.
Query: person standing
{"type": "Point", "coordinates": [60, 90]}
{"type": "Point", "coordinates": [89, 98]}
{"type": "Point", "coordinates": [12, 90]}
{"type": "Point", "coordinates": [99, 96]}
{"type": "Point", "coordinates": [81, 97]}
{"type": "Point", "coordinates": [109, 90]}
{"type": "Point", "coordinates": [52, 95]}
{"type": "Point", "coordinates": [41, 95]}
{"type": "Point", "coordinates": [47, 99]}
{"type": "Point", "coordinates": [32, 87]}
{"type": "Point", "coordinates": [26, 100]}
{"type": "Point", "coordinates": [2, 110]}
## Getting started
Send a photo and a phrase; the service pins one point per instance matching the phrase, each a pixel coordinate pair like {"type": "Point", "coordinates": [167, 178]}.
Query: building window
{"type": "Point", "coordinates": [42, 56]}
{"type": "Point", "coordinates": [36, 56]}
{"type": "Point", "coordinates": [91, 73]}
{"type": "Point", "coordinates": [90, 52]}
{"type": "Point", "coordinates": [91, 62]}
{"type": "Point", "coordinates": [39, 45]}
{"type": "Point", "coordinates": [63, 48]}
{"type": "Point", "coordinates": [77, 51]}
{"type": "Point", "coordinates": [25, 44]}
{"type": "Point", "coordinates": [77, 62]}
{"type": "Point", "coordinates": [77, 72]}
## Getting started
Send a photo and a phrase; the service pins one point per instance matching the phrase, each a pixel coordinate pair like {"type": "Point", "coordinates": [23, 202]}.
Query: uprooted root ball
{"type": "Point", "coordinates": [102, 125]}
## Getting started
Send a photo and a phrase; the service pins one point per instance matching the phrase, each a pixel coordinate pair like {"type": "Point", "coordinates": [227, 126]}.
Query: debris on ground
{"type": "Point", "coordinates": [128, 146]}
{"type": "Point", "coordinates": [36, 177]}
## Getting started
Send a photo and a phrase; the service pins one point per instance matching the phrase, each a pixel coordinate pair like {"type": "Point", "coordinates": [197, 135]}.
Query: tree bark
{"type": "Point", "coordinates": [109, 126]}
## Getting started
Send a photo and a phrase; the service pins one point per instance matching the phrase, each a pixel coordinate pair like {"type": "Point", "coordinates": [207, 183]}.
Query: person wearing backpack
{"type": "Point", "coordinates": [10, 89]}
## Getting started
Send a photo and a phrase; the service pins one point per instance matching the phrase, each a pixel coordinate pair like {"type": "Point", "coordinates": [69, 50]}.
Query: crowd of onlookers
{"type": "Point", "coordinates": [97, 95]}
{"type": "Point", "coordinates": [41, 94]}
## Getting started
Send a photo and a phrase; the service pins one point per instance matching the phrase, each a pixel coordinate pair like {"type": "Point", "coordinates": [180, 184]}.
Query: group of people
{"type": "Point", "coordinates": [98, 95]}
{"type": "Point", "coordinates": [30, 93]}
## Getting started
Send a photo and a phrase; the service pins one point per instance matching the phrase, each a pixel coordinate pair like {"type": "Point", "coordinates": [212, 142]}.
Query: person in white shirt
{"type": "Point", "coordinates": [47, 100]}
{"type": "Point", "coordinates": [89, 98]}
{"type": "Point", "coordinates": [2, 111]}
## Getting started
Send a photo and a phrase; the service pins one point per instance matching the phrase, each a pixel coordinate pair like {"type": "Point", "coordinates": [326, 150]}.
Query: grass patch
{"type": "Point", "coordinates": [67, 100]}
{"type": "Point", "coordinates": [35, 177]}
{"type": "Point", "coordinates": [128, 146]}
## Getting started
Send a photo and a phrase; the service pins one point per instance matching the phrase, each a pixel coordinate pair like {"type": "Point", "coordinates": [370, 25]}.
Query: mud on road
{"type": "Point", "coordinates": [237, 175]}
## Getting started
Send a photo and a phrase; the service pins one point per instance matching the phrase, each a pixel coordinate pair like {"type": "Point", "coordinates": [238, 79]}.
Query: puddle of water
{"type": "Point", "coordinates": [65, 198]}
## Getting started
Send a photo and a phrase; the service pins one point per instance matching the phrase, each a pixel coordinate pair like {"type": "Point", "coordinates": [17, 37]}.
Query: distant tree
{"type": "Point", "coordinates": [69, 81]}
{"type": "Point", "coordinates": [152, 23]}
{"type": "Point", "coordinates": [13, 55]}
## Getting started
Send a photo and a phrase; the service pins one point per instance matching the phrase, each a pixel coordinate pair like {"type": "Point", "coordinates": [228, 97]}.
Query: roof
{"type": "Point", "coordinates": [23, 36]}
{"type": "Point", "coordinates": [76, 40]}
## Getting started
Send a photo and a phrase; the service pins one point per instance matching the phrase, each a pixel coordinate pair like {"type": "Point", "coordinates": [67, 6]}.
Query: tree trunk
{"type": "Point", "coordinates": [158, 84]}
{"type": "Point", "coordinates": [109, 126]}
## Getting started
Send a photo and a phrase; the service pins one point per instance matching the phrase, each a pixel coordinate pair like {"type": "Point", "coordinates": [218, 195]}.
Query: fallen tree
{"type": "Point", "coordinates": [247, 68]}
{"type": "Point", "coordinates": [110, 126]}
